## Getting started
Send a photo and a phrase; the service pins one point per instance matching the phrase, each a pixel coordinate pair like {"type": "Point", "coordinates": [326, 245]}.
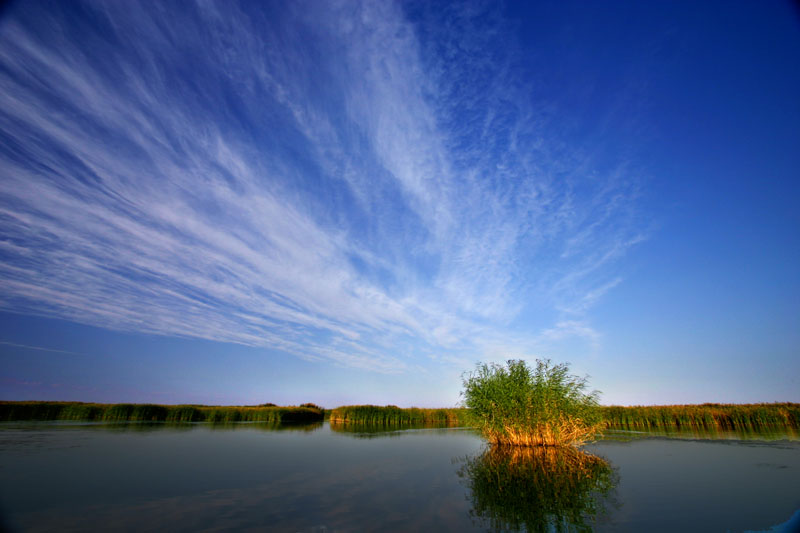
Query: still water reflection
{"type": "Point", "coordinates": [138, 477]}
{"type": "Point", "coordinates": [538, 489]}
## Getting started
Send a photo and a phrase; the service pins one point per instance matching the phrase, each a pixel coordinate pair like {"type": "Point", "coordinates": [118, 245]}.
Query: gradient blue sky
{"type": "Point", "coordinates": [346, 202]}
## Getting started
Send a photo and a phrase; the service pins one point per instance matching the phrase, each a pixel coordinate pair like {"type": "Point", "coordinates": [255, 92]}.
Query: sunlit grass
{"type": "Point", "coordinates": [392, 415]}
{"type": "Point", "coordinates": [706, 416]}
{"type": "Point", "coordinates": [521, 406]}
{"type": "Point", "coordinates": [156, 413]}
{"type": "Point", "coordinates": [719, 417]}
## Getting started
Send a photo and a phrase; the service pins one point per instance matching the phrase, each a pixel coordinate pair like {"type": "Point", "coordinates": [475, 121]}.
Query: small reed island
{"type": "Point", "coordinates": [522, 406]}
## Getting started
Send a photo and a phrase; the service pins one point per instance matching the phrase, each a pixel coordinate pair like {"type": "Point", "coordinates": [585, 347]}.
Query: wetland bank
{"type": "Point", "coordinates": [371, 468]}
{"type": "Point", "coordinates": [530, 450]}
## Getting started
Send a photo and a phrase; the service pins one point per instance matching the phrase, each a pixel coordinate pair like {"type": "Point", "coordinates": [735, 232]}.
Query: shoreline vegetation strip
{"type": "Point", "coordinates": [393, 415]}
{"type": "Point", "coordinates": [123, 412]}
{"type": "Point", "coordinates": [709, 415]}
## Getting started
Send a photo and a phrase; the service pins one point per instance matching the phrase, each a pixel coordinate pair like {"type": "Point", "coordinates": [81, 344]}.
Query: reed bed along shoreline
{"type": "Point", "coordinates": [707, 415]}
{"type": "Point", "coordinates": [393, 415]}
{"type": "Point", "coordinates": [702, 416]}
{"type": "Point", "coordinates": [123, 412]}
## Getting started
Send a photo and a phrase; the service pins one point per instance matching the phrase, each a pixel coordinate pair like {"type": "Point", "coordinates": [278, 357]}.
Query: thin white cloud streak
{"type": "Point", "coordinates": [37, 348]}
{"type": "Point", "coordinates": [352, 223]}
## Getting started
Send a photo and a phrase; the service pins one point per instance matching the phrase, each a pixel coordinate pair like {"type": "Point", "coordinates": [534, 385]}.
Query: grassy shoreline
{"type": "Point", "coordinates": [122, 412]}
{"type": "Point", "coordinates": [393, 415]}
{"type": "Point", "coordinates": [700, 416]}
{"type": "Point", "coordinates": [708, 416]}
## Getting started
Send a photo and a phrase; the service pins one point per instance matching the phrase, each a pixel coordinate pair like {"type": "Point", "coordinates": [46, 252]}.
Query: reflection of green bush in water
{"type": "Point", "coordinates": [538, 488]}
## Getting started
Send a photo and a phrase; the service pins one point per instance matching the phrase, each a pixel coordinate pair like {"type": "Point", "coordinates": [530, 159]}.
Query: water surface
{"type": "Point", "coordinates": [135, 477]}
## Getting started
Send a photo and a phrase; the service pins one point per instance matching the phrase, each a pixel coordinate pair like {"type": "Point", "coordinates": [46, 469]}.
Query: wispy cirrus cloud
{"type": "Point", "coordinates": [37, 348]}
{"type": "Point", "coordinates": [319, 180]}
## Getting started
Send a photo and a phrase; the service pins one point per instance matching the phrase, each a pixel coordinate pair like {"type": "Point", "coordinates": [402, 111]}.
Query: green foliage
{"type": "Point", "coordinates": [156, 413]}
{"type": "Point", "coordinates": [393, 415]}
{"type": "Point", "coordinates": [184, 413]}
{"type": "Point", "coordinates": [523, 406]}
{"type": "Point", "coordinates": [538, 489]}
{"type": "Point", "coordinates": [704, 416]}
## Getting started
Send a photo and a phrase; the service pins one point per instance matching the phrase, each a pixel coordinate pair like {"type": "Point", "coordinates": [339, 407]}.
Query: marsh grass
{"type": "Point", "coordinates": [708, 416]}
{"type": "Point", "coordinates": [391, 415]}
{"type": "Point", "coordinates": [520, 406]}
{"type": "Point", "coordinates": [156, 413]}
{"type": "Point", "coordinates": [552, 488]}
{"type": "Point", "coordinates": [705, 417]}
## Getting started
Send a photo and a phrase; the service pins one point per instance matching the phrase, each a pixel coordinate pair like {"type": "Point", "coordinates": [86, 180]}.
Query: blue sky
{"type": "Point", "coordinates": [346, 202]}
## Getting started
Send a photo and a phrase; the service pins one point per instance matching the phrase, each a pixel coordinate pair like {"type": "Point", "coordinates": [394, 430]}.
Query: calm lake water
{"type": "Point", "coordinates": [95, 477]}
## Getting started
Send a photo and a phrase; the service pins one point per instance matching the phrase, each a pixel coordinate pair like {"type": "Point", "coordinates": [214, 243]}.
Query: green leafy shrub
{"type": "Point", "coordinates": [521, 406]}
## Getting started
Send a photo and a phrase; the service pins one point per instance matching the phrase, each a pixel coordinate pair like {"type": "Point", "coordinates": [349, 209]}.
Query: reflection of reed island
{"type": "Point", "coordinates": [543, 488]}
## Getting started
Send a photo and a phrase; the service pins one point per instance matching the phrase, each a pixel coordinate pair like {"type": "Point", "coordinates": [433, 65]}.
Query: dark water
{"type": "Point", "coordinates": [83, 477]}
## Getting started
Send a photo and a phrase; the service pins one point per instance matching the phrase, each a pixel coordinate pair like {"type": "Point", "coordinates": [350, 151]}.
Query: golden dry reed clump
{"type": "Point", "coordinates": [557, 433]}
{"type": "Point", "coordinates": [519, 406]}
